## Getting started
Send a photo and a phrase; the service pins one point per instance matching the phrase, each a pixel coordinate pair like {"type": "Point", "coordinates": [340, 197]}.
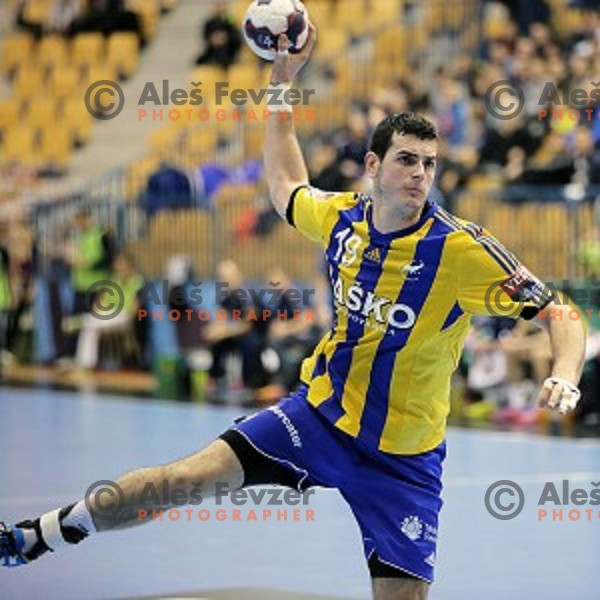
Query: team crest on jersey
{"type": "Point", "coordinates": [373, 254]}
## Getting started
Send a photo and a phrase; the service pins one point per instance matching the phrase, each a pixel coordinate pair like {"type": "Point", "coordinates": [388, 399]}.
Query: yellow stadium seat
{"type": "Point", "coordinates": [331, 43]}
{"type": "Point", "coordinates": [19, 144]}
{"type": "Point", "coordinates": [163, 139]}
{"type": "Point", "coordinates": [55, 146]}
{"type": "Point", "coordinates": [64, 81]}
{"type": "Point", "coordinates": [137, 175]}
{"type": "Point", "coordinates": [244, 76]}
{"type": "Point", "coordinates": [390, 46]}
{"type": "Point", "coordinates": [87, 49]}
{"type": "Point", "coordinates": [209, 75]}
{"type": "Point", "coordinates": [123, 53]}
{"type": "Point", "coordinates": [202, 141]}
{"type": "Point", "coordinates": [17, 49]}
{"type": "Point", "coordinates": [52, 51]}
{"type": "Point", "coordinates": [41, 112]}
{"type": "Point", "coordinates": [237, 10]}
{"type": "Point", "coordinates": [28, 82]}
{"type": "Point", "coordinates": [148, 13]}
{"type": "Point", "coordinates": [37, 11]}
{"type": "Point", "coordinates": [75, 117]}
{"type": "Point", "coordinates": [351, 16]}
{"type": "Point", "coordinates": [386, 13]}
{"type": "Point", "coordinates": [10, 111]}
{"type": "Point", "coordinates": [98, 73]}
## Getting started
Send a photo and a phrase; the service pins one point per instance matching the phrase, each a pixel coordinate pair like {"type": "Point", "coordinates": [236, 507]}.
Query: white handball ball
{"type": "Point", "coordinates": [266, 20]}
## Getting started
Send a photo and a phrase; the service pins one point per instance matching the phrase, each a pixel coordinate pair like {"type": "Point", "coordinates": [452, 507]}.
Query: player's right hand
{"type": "Point", "coordinates": [286, 65]}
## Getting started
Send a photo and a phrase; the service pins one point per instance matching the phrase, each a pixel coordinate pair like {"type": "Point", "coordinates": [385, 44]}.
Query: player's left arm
{"type": "Point", "coordinates": [567, 339]}
{"type": "Point", "coordinates": [493, 282]}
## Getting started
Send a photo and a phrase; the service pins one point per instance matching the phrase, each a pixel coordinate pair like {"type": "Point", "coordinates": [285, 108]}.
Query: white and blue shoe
{"type": "Point", "coordinates": [12, 544]}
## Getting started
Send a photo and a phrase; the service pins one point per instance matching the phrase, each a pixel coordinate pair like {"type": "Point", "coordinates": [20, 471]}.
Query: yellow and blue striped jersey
{"type": "Point", "coordinates": [403, 302]}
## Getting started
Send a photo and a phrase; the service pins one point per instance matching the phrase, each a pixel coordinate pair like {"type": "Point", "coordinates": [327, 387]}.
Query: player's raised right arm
{"type": "Point", "coordinates": [284, 164]}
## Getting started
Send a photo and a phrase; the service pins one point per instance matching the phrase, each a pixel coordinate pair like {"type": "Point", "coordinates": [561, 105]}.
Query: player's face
{"type": "Point", "coordinates": [406, 172]}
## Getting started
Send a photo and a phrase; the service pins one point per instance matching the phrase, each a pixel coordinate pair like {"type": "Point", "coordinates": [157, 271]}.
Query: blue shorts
{"type": "Point", "coordinates": [395, 499]}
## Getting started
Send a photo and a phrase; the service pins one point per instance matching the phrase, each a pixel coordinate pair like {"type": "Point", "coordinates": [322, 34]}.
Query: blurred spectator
{"type": "Point", "coordinates": [451, 109]}
{"type": "Point", "coordinates": [487, 368]}
{"type": "Point", "coordinates": [222, 40]}
{"type": "Point", "coordinates": [237, 335]}
{"type": "Point", "coordinates": [352, 142]}
{"type": "Point", "coordinates": [526, 13]}
{"type": "Point", "coordinates": [129, 283]}
{"type": "Point", "coordinates": [551, 165]}
{"type": "Point", "coordinates": [325, 168]}
{"type": "Point", "coordinates": [63, 15]}
{"type": "Point", "coordinates": [168, 188]}
{"type": "Point", "coordinates": [6, 304]}
{"type": "Point", "coordinates": [498, 143]}
{"type": "Point", "coordinates": [107, 17]}
{"type": "Point", "coordinates": [587, 158]}
{"type": "Point", "coordinates": [91, 258]}
{"type": "Point", "coordinates": [293, 332]}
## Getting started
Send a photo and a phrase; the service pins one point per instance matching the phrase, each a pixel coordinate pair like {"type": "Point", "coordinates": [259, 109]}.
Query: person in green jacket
{"type": "Point", "coordinates": [93, 257]}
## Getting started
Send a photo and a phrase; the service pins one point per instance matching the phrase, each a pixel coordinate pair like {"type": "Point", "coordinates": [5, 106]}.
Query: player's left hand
{"type": "Point", "coordinates": [559, 393]}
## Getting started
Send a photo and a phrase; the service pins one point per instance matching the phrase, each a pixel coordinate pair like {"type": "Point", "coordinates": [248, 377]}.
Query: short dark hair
{"type": "Point", "coordinates": [406, 123]}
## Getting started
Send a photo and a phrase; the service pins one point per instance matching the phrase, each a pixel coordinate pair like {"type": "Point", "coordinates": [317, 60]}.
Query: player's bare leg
{"type": "Point", "coordinates": [216, 464]}
{"type": "Point", "coordinates": [399, 589]}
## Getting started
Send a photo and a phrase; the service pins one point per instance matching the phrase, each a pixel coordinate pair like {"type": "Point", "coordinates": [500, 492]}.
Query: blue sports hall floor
{"type": "Point", "coordinates": [55, 444]}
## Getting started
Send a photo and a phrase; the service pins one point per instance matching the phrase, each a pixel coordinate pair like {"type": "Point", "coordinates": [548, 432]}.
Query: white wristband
{"type": "Point", "coordinates": [277, 100]}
